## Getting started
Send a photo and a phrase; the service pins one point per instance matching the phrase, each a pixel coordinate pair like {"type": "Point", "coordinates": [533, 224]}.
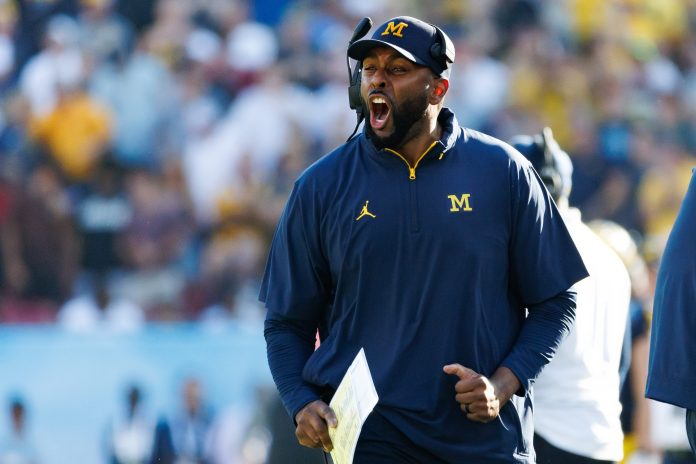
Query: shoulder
{"type": "Point", "coordinates": [325, 171]}
{"type": "Point", "coordinates": [478, 143]}
{"type": "Point", "coordinates": [601, 259]}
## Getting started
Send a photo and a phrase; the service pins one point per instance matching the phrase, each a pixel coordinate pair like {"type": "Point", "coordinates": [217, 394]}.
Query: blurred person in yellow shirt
{"type": "Point", "coordinates": [75, 133]}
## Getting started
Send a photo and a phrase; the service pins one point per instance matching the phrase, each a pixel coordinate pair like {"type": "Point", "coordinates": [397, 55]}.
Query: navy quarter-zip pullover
{"type": "Point", "coordinates": [423, 266]}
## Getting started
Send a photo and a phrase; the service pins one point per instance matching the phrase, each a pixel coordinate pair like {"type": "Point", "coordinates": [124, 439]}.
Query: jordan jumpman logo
{"type": "Point", "coordinates": [364, 212]}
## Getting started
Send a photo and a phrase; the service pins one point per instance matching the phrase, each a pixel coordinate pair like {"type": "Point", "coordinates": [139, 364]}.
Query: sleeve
{"type": "Point", "coordinates": [543, 331]}
{"type": "Point", "coordinates": [295, 289]}
{"type": "Point", "coordinates": [671, 374]}
{"type": "Point", "coordinates": [543, 258]}
{"type": "Point", "coordinates": [544, 265]}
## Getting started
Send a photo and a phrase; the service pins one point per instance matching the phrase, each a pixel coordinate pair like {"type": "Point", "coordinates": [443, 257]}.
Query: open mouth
{"type": "Point", "coordinates": [379, 111]}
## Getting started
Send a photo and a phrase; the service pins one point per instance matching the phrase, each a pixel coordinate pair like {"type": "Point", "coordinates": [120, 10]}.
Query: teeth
{"type": "Point", "coordinates": [379, 100]}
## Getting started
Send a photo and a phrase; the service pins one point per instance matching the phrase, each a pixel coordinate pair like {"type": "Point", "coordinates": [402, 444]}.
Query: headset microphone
{"type": "Point", "coordinates": [361, 30]}
{"type": "Point", "coordinates": [354, 76]}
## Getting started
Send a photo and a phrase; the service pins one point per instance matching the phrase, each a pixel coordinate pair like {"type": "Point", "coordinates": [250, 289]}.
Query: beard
{"type": "Point", "coordinates": [405, 117]}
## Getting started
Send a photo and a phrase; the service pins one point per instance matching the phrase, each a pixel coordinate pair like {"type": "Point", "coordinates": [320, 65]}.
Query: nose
{"type": "Point", "coordinates": [379, 79]}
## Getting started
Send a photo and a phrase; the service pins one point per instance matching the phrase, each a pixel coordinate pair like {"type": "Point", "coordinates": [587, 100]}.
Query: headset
{"type": "Point", "coordinates": [442, 51]}
{"type": "Point", "coordinates": [550, 174]}
{"type": "Point", "coordinates": [355, 75]}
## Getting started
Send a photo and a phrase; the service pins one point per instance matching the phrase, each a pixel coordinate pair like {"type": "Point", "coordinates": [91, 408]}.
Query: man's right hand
{"type": "Point", "coordinates": [313, 422]}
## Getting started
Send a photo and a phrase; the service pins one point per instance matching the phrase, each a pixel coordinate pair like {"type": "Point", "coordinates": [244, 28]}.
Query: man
{"type": "Point", "coordinates": [421, 242]}
{"type": "Point", "coordinates": [671, 374]}
{"type": "Point", "coordinates": [191, 427]}
{"type": "Point", "coordinates": [17, 445]}
{"type": "Point", "coordinates": [577, 408]}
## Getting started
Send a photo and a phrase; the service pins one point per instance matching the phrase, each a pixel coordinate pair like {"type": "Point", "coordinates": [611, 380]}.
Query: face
{"type": "Point", "coordinates": [18, 416]}
{"type": "Point", "coordinates": [396, 95]}
{"type": "Point", "coordinates": [192, 396]}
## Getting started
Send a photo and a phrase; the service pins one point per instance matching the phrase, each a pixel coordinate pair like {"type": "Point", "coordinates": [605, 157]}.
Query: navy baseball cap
{"type": "Point", "coordinates": [549, 160]}
{"type": "Point", "coordinates": [414, 39]}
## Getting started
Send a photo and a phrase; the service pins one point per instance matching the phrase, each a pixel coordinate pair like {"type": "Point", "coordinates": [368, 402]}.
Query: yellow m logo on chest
{"type": "Point", "coordinates": [395, 30]}
{"type": "Point", "coordinates": [460, 203]}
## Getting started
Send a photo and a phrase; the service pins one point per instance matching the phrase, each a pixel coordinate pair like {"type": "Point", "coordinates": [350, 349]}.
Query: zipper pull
{"type": "Point", "coordinates": [412, 173]}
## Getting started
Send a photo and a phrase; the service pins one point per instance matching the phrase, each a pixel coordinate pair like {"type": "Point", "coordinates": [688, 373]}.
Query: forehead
{"type": "Point", "coordinates": [385, 53]}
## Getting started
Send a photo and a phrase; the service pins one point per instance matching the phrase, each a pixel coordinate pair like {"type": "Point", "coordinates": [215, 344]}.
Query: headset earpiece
{"type": "Point", "coordinates": [436, 50]}
{"type": "Point", "coordinates": [552, 180]}
{"type": "Point", "coordinates": [354, 76]}
{"type": "Point", "coordinates": [442, 50]}
{"type": "Point", "coordinates": [354, 98]}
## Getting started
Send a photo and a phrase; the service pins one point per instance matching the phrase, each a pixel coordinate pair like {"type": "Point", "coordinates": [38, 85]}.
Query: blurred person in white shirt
{"type": "Point", "coordinates": [98, 310]}
{"type": "Point", "coordinates": [130, 434]}
{"type": "Point", "coordinates": [577, 408]}
{"type": "Point", "coordinates": [59, 64]}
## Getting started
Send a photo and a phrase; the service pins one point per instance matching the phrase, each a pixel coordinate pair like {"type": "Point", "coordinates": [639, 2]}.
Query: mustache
{"type": "Point", "coordinates": [375, 92]}
{"type": "Point", "coordinates": [366, 102]}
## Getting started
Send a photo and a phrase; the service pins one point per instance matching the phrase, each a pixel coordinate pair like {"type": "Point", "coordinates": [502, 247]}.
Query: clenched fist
{"type": "Point", "coordinates": [479, 397]}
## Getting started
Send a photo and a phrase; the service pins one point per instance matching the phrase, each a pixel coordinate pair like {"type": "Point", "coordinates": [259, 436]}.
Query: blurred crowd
{"type": "Point", "coordinates": [192, 433]}
{"type": "Point", "coordinates": [147, 146]}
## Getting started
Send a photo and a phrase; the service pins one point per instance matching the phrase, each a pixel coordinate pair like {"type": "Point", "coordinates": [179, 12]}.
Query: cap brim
{"type": "Point", "coordinates": [361, 48]}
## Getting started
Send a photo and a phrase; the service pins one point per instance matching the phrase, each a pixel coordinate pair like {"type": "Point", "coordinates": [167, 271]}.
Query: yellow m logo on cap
{"type": "Point", "coordinates": [395, 30]}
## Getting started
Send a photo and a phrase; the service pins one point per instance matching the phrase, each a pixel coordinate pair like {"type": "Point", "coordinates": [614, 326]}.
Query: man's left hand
{"type": "Point", "coordinates": [479, 397]}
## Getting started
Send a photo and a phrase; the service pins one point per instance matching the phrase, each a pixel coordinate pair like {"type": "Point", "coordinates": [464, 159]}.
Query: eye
{"type": "Point", "coordinates": [398, 69]}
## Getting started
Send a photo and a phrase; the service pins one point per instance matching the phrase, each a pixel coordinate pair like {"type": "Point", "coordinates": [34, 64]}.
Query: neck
{"type": "Point", "coordinates": [415, 146]}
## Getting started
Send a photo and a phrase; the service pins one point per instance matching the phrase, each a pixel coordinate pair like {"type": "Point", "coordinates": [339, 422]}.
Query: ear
{"type": "Point", "coordinates": [439, 90]}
